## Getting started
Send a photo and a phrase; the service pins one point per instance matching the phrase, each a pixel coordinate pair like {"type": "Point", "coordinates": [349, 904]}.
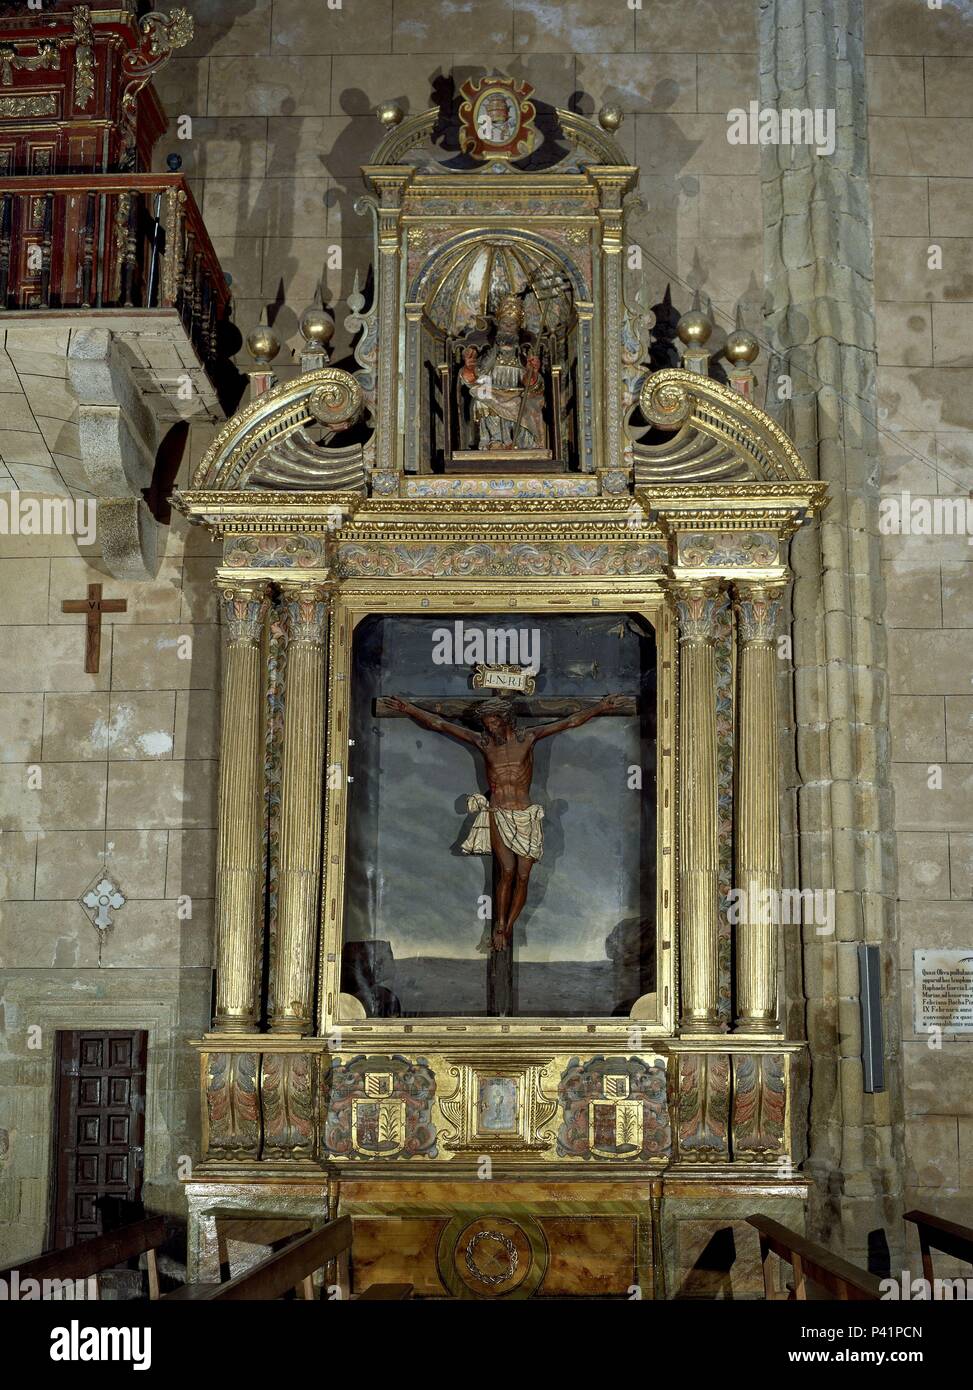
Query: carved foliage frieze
{"type": "Point", "coordinates": [759, 1107]}
{"type": "Point", "coordinates": [723, 549]}
{"type": "Point", "coordinates": [504, 559]}
{"type": "Point", "coordinates": [297, 551]}
{"type": "Point", "coordinates": [233, 1105]}
{"type": "Point", "coordinates": [297, 1106]}
{"type": "Point", "coordinates": [41, 104]}
{"type": "Point", "coordinates": [288, 1088]}
{"type": "Point", "coordinates": [500, 487]}
{"type": "Point", "coordinates": [704, 1107]}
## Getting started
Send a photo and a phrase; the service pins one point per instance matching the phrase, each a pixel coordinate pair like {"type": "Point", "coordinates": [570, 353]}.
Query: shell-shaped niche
{"type": "Point", "coordinates": [475, 281]}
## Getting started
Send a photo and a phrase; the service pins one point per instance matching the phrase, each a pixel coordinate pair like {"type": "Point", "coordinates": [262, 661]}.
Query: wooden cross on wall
{"type": "Point", "coordinates": [93, 606]}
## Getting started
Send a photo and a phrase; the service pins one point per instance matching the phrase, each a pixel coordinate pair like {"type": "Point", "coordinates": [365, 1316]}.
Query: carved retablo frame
{"type": "Point", "coordinates": [355, 600]}
{"type": "Point", "coordinates": [691, 531]}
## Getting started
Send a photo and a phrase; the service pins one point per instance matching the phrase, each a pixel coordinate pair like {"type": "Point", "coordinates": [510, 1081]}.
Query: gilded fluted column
{"type": "Point", "coordinates": [613, 183]}
{"type": "Point", "coordinates": [299, 863]}
{"type": "Point", "coordinates": [239, 872]}
{"type": "Point", "coordinates": [757, 868]}
{"type": "Point", "coordinates": [389, 182]}
{"type": "Point", "coordinates": [698, 607]}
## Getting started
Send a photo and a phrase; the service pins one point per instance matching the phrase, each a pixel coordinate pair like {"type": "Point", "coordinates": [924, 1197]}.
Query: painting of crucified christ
{"type": "Point", "coordinates": [507, 824]}
{"type": "Point", "coordinates": [492, 869]}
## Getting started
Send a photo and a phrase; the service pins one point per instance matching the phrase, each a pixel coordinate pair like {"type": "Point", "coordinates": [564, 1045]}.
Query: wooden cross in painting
{"type": "Point", "coordinates": [507, 825]}
{"type": "Point", "coordinates": [93, 606]}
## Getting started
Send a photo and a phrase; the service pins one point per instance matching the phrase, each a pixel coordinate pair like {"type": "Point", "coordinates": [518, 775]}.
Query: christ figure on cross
{"type": "Point", "coordinates": [507, 824]}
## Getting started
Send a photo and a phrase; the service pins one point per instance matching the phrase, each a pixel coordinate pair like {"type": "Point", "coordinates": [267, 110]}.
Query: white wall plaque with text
{"type": "Point", "coordinates": [944, 990]}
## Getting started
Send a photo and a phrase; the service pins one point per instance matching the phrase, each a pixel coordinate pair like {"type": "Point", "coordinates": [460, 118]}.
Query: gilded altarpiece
{"type": "Point", "coordinates": [493, 1005]}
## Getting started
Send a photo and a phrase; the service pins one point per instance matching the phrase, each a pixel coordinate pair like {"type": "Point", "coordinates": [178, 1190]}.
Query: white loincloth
{"type": "Point", "coordinates": [520, 831]}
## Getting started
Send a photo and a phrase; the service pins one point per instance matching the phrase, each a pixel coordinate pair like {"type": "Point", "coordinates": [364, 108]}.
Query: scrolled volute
{"type": "Point", "coordinates": [338, 401]}
{"type": "Point", "coordinates": [664, 402]}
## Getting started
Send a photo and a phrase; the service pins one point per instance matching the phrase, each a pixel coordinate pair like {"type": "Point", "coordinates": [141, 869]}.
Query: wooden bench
{"type": "Point", "coordinates": [810, 1262]}
{"type": "Point", "coordinates": [248, 1229]}
{"type": "Point", "coordinates": [935, 1233]}
{"type": "Point", "coordinates": [292, 1267]}
{"type": "Point", "coordinates": [92, 1257]}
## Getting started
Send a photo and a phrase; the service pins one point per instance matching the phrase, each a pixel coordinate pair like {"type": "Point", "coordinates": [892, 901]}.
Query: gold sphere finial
{"type": "Point", "coordinates": [263, 344]}
{"type": "Point", "coordinates": [389, 113]}
{"type": "Point", "coordinates": [741, 346]}
{"type": "Point", "coordinates": [694, 328]}
{"type": "Point", "coordinates": [317, 326]}
{"type": "Point", "coordinates": [610, 117]}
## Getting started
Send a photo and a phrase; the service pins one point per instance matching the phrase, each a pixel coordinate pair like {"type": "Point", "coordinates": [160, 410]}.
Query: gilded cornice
{"type": "Point", "coordinates": [257, 513]}
{"type": "Point", "coordinates": [778, 507]}
{"type": "Point", "coordinates": [760, 514]}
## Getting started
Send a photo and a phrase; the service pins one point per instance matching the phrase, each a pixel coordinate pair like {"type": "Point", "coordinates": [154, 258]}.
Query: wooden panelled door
{"type": "Point", "coordinates": [99, 1133]}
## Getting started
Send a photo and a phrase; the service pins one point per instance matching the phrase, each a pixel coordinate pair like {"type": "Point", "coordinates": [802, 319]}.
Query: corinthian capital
{"type": "Point", "coordinates": [698, 609]}
{"type": "Point", "coordinates": [757, 607]}
{"type": "Point", "coordinates": [306, 604]}
{"type": "Point", "coordinates": [244, 609]}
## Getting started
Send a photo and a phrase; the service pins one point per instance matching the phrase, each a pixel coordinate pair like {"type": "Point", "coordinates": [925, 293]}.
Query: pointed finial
{"type": "Point", "coordinates": [785, 416]}
{"type": "Point", "coordinates": [355, 300]}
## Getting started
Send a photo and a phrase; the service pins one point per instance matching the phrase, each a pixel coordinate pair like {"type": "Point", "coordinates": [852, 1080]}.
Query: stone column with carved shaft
{"type": "Point", "coordinates": [299, 865]}
{"type": "Point", "coordinates": [757, 868]}
{"type": "Point", "coordinates": [239, 873]}
{"type": "Point", "coordinates": [698, 608]}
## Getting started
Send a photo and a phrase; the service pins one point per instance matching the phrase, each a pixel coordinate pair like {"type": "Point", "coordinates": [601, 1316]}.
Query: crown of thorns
{"type": "Point", "coordinates": [497, 704]}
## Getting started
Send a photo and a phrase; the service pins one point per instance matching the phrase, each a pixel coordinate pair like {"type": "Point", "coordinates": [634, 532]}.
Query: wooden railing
{"type": "Point", "coordinates": [935, 1233]}
{"type": "Point", "coordinates": [810, 1263]}
{"type": "Point", "coordinates": [112, 241]}
{"type": "Point", "coordinates": [293, 1267]}
{"type": "Point", "coordinates": [92, 1257]}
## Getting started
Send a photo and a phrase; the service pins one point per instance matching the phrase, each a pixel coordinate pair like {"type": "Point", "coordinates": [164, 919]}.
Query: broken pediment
{"type": "Point", "coordinates": [501, 342]}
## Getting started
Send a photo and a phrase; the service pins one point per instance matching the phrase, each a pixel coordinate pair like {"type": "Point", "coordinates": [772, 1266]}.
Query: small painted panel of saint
{"type": "Point", "coordinates": [501, 841]}
{"type": "Point", "coordinates": [497, 1105]}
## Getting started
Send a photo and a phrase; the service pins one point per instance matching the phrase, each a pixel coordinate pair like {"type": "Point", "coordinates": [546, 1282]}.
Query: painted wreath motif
{"type": "Point", "coordinates": [509, 1248]}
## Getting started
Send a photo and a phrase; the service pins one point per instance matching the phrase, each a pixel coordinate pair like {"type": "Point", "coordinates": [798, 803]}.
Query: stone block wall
{"type": "Point", "coordinates": [106, 774]}
{"type": "Point", "coordinates": [282, 97]}
{"type": "Point", "coordinates": [920, 103]}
